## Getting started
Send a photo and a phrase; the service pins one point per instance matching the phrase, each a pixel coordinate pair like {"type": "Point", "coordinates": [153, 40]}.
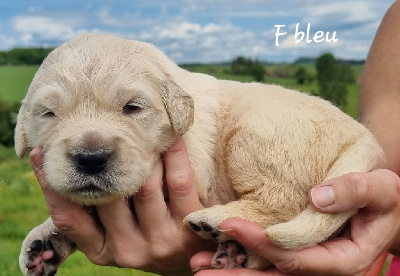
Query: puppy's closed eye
{"type": "Point", "coordinates": [48, 114]}
{"type": "Point", "coordinates": [134, 106]}
{"type": "Point", "coordinates": [45, 112]}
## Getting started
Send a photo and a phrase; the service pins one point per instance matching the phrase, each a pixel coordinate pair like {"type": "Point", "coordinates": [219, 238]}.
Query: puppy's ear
{"type": "Point", "coordinates": [179, 106]}
{"type": "Point", "coordinates": [20, 138]}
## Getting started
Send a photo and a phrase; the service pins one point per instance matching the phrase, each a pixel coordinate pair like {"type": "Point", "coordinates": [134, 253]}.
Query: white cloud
{"type": "Point", "coordinates": [43, 30]}
{"type": "Point", "coordinates": [108, 19]}
{"type": "Point", "coordinates": [190, 42]}
{"type": "Point", "coordinates": [206, 31]}
{"type": "Point", "coordinates": [348, 11]}
{"type": "Point", "coordinates": [47, 28]}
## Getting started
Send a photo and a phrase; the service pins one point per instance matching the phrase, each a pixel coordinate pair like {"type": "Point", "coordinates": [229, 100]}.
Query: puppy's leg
{"type": "Point", "coordinates": [230, 254]}
{"type": "Point", "coordinates": [44, 249]}
{"type": "Point", "coordinates": [311, 227]}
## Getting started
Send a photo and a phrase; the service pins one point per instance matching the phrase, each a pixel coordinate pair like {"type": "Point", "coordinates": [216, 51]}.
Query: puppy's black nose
{"type": "Point", "coordinates": [91, 162]}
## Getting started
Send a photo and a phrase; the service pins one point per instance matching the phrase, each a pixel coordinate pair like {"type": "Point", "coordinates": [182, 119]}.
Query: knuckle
{"type": "Point", "coordinates": [180, 183]}
{"type": "Point", "coordinates": [394, 179]}
{"type": "Point", "coordinates": [359, 266]}
{"type": "Point", "coordinates": [65, 223]}
{"type": "Point", "coordinates": [147, 191]}
{"type": "Point", "coordinates": [362, 188]}
{"type": "Point", "coordinates": [122, 260]}
{"type": "Point", "coordinates": [164, 256]}
{"type": "Point", "coordinates": [396, 190]}
{"type": "Point", "coordinates": [393, 184]}
{"type": "Point", "coordinates": [162, 253]}
{"type": "Point", "coordinates": [164, 246]}
{"type": "Point", "coordinates": [290, 266]}
{"type": "Point", "coordinates": [99, 259]}
{"type": "Point", "coordinates": [124, 257]}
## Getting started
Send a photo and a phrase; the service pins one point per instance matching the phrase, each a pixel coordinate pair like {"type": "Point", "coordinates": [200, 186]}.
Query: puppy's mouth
{"type": "Point", "coordinates": [89, 189]}
{"type": "Point", "coordinates": [90, 194]}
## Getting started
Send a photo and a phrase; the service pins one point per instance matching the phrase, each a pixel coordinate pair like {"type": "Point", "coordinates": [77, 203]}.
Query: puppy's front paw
{"type": "Point", "coordinates": [42, 259]}
{"type": "Point", "coordinates": [43, 250]}
{"type": "Point", "coordinates": [206, 223]}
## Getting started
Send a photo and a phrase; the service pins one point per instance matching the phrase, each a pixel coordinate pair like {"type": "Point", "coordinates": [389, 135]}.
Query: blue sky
{"type": "Point", "coordinates": [200, 31]}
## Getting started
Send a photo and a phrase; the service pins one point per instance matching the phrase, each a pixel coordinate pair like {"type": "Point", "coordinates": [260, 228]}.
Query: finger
{"type": "Point", "coordinates": [67, 216]}
{"type": "Point", "coordinates": [36, 158]}
{"type": "Point", "coordinates": [150, 207]}
{"type": "Point", "coordinates": [201, 260]}
{"type": "Point", "coordinates": [117, 219]}
{"type": "Point", "coordinates": [240, 272]}
{"type": "Point", "coordinates": [183, 197]}
{"type": "Point", "coordinates": [378, 190]}
{"type": "Point", "coordinates": [249, 234]}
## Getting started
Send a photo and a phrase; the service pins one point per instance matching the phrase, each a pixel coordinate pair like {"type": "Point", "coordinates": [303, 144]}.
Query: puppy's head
{"type": "Point", "coordinates": [103, 109]}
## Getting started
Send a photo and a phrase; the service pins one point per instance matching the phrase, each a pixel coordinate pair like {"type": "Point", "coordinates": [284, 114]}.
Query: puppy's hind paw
{"type": "Point", "coordinates": [230, 254]}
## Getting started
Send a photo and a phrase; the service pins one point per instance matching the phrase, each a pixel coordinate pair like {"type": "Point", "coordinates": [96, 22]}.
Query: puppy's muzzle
{"type": "Point", "coordinates": [91, 162]}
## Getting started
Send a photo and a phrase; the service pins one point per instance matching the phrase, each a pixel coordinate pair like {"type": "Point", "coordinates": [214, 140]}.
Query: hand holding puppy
{"type": "Point", "coordinates": [374, 229]}
{"type": "Point", "coordinates": [153, 238]}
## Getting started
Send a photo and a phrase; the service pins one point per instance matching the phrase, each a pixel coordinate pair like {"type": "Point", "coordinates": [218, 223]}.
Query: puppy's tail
{"type": "Point", "coordinates": [307, 229]}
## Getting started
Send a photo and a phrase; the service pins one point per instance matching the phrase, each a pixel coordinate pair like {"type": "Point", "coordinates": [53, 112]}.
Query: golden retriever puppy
{"type": "Point", "coordinates": [104, 109]}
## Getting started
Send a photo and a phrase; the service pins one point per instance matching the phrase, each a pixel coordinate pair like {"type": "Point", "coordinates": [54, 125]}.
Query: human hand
{"type": "Point", "coordinates": [154, 238]}
{"type": "Point", "coordinates": [374, 229]}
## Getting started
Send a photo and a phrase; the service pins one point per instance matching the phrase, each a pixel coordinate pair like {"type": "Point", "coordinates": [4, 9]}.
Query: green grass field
{"type": "Point", "coordinates": [14, 81]}
{"type": "Point", "coordinates": [22, 205]}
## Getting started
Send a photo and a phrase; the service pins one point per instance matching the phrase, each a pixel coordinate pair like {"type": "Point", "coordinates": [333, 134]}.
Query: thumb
{"type": "Point", "coordinates": [36, 158]}
{"type": "Point", "coordinates": [373, 190]}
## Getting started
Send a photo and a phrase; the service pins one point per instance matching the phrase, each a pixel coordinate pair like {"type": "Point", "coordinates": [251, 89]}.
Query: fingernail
{"type": "Point", "coordinates": [36, 151]}
{"type": "Point", "coordinates": [225, 230]}
{"type": "Point", "coordinates": [323, 197]}
{"type": "Point", "coordinates": [200, 268]}
{"type": "Point", "coordinates": [36, 156]}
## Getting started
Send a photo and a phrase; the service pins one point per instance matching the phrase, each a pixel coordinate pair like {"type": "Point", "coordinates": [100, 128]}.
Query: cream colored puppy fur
{"type": "Point", "coordinates": [255, 149]}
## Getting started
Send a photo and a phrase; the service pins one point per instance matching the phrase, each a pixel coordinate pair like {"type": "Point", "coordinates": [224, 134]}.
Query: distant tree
{"type": "Point", "coordinates": [246, 66]}
{"type": "Point", "coordinates": [331, 87]}
{"type": "Point", "coordinates": [326, 69]}
{"type": "Point", "coordinates": [345, 73]}
{"type": "Point", "coordinates": [241, 65]}
{"type": "Point", "coordinates": [3, 58]}
{"type": "Point", "coordinates": [8, 114]}
{"type": "Point", "coordinates": [27, 56]}
{"type": "Point", "coordinates": [301, 75]}
{"type": "Point", "coordinates": [257, 70]}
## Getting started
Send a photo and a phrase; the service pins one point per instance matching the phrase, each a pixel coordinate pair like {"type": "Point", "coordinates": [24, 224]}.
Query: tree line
{"type": "Point", "coordinates": [332, 75]}
{"type": "Point", "coordinates": [333, 78]}
{"type": "Point", "coordinates": [24, 56]}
